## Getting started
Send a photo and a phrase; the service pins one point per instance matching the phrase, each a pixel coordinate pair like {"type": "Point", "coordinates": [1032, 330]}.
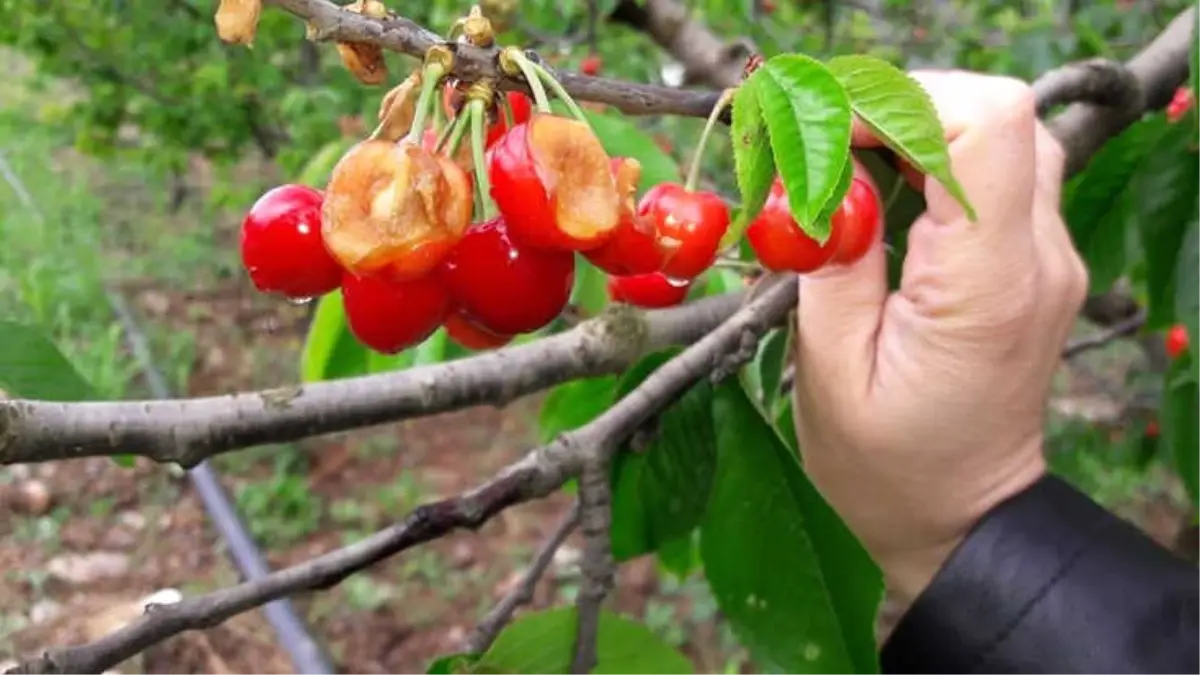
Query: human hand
{"type": "Point", "coordinates": [918, 411]}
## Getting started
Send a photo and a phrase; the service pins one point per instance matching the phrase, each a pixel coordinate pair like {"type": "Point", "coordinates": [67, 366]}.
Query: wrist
{"type": "Point", "coordinates": [908, 572]}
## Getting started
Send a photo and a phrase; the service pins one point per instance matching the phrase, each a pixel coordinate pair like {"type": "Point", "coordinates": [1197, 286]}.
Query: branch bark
{"type": "Point", "coordinates": [491, 625]}
{"type": "Point", "coordinates": [539, 473]}
{"type": "Point", "coordinates": [706, 58]}
{"type": "Point", "coordinates": [187, 431]}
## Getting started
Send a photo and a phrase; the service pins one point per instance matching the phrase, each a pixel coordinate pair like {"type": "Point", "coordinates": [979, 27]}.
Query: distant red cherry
{"type": "Point", "coordinates": [1152, 429]}
{"type": "Point", "coordinates": [779, 242]}
{"type": "Point", "coordinates": [648, 290]}
{"type": "Point", "coordinates": [1176, 342]}
{"type": "Point", "coordinates": [632, 247]}
{"type": "Point", "coordinates": [1180, 104]}
{"type": "Point", "coordinates": [471, 335]}
{"type": "Point", "coordinates": [390, 316]}
{"type": "Point", "coordinates": [590, 65]}
{"type": "Point", "coordinates": [503, 287]}
{"type": "Point", "coordinates": [689, 226]}
{"type": "Point", "coordinates": [281, 244]}
{"type": "Point", "coordinates": [857, 222]}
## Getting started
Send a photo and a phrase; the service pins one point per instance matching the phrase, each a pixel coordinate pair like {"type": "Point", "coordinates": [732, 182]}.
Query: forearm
{"type": "Point", "coordinates": [1050, 582]}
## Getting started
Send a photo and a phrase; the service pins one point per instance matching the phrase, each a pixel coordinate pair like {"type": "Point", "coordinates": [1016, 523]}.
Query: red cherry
{"type": "Point", "coordinates": [281, 245]}
{"type": "Point", "coordinates": [648, 290]}
{"type": "Point", "coordinates": [1177, 341]}
{"type": "Point", "coordinates": [1180, 104]}
{"type": "Point", "coordinates": [471, 335]}
{"type": "Point", "coordinates": [1152, 429]}
{"type": "Point", "coordinates": [390, 316]}
{"type": "Point", "coordinates": [857, 222]}
{"type": "Point", "coordinates": [779, 242]}
{"type": "Point", "coordinates": [689, 226]}
{"type": "Point", "coordinates": [552, 181]}
{"type": "Point", "coordinates": [590, 65]}
{"type": "Point", "coordinates": [506, 288]}
{"type": "Point", "coordinates": [632, 247]}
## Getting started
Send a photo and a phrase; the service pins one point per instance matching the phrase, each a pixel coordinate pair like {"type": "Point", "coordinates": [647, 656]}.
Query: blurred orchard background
{"type": "Point", "coordinates": [132, 140]}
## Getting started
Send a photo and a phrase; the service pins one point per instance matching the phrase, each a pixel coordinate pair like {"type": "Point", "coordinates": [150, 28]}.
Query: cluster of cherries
{"type": "Point", "coordinates": [394, 230]}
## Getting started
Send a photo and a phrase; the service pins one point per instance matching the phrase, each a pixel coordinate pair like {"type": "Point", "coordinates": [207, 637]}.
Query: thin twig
{"type": "Point", "coordinates": [491, 625]}
{"type": "Point", "coordinates": [1123, 328]}
{"type": "Point", "coordinates": [595, 499]}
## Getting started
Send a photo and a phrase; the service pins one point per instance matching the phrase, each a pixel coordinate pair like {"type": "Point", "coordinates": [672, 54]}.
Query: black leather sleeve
{"type": "Point", "coordinates": [1050, 582]}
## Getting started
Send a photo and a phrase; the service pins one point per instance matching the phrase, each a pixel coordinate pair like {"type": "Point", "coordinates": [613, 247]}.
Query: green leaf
{"type": "Point", "coordinates": [754, 165]}
{"type": "Point", "coordinates": [542, 642]}
{"type": "Point", "coordinates": [899, 112]}
{"type": "Point", "coordinates": [1164, 194]}
{"type": "Point", "coordinates": [622, 138]}
{"type": "Point", "coordinates": [31, 366]}
{"type": "Point", "coordinates": [796, 586]}
{"type": "Point", "coordinates": [591, 287]}
{"type": "Point", "coordinates": [764, 373]}
{"type": "Point", "coordinates": [1098, 202]}
{"type": "Point", "coordinates": [1187, 284]}
{"type": "Point", "coordinates": [315, 172]}
{"type": "Point", "coordinates": [1194, 70]}
{"type": "Point", "coordinates": [719, 281]}
{"type": "Point", "coordinates": [1181, 400]}
{"type": "Point", "coordinates": [680, 556]}
{"type": "Point", "coordinates": [574, 404]}
{"type": "Point", "coordinates": [808, 118]}
{"type": "Point", "coordinates": [432, 350]}
{"type": "Point", "coordinates": [330, 349]}
{"type": "Point", "coordinates": [660, 491]}
{"type": "Point", "coordinates": [453, 664]}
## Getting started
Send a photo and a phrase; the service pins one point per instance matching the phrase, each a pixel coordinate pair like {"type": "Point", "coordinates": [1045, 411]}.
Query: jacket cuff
{"type": "Point", "coordinates": [1049, 581]}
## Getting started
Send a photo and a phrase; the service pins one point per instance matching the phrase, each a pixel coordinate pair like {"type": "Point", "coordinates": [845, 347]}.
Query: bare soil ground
{"type": "Point", "coordinates": [394, 618]}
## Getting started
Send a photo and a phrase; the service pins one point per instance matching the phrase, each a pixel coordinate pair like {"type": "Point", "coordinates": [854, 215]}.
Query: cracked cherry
{"type": "Point", "coordinates": [503, 286]}
{"type": "Point", "coordinates": [552, 181]}
{"type": "Point", "coordinates": [471, 335]}
{"type": "Point", "coordinates": [689, 226]}
{"type": "Point", "coordinates": [632, 247]}
{"type": "Point", "coordinates": [648, 290]}
{"type": "Point", "coordinates": [281, 244]}
{"type": "Point", "coordinates": [390, 316]}
{"type": "Point", "coordinates": [1176, 342]}
{"type": "Point", "coordinates": [778, 241]}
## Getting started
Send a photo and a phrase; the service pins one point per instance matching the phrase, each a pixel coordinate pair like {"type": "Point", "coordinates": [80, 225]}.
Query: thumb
{"type": "Point", "coordinates": [840, 309]}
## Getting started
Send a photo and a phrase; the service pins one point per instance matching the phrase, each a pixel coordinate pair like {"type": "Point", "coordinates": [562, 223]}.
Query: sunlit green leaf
{"type": "Point", "coordinates": [808, 118]}
{"type": "Point", "coordinates": [543, 642]}
{"type": "Point", "coordinates": [31, 366]}
{"type": "Point", "coordinates": [752, 158]}
{"type": "Point", "coordinates": [901, 115]}
{"type": "Point", "coordinates": [330, 349]}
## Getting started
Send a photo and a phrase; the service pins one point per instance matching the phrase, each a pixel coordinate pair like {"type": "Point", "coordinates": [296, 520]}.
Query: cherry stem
{"type": "Point", "coordinates": [439, 117]}
{"type": "Point", "coordinates": [451, 136]}
{"type": "Point", "coordinates": [506, 110]}
{"type": "Point", "coordinates": [737, 265]}
{"type": "Point", "coordinates": [693, 176]}
{"type": "Point", "coordinates": [476, 113]}
{"type": "Point", "coordinates": [559, 91]}
{"type": "Point", "coordinates": [535, 84]}
{"type": "Point", "coordinates": [431, 75]}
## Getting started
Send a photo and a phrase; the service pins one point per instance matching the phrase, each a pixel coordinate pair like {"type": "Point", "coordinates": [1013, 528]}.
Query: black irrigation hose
{"type": "Point", "coordinates": [307, 655]}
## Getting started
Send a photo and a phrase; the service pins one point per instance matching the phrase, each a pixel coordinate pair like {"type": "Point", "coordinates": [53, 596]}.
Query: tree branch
{"type": "Point", "coordinates": [706, 58]}
{"type": "Point", "coordinates": [595, 502]}
{"type": "Point", "coordinates": [1123, 328]}
{"type": "Point", "coordinates": [1099, 82]}
{"type": "Point", "coordinates": [539, 473]}
{"type": "Point", "coordinates": [189, 430]}
{"type": "Point", "coordinates": [491, 625]}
